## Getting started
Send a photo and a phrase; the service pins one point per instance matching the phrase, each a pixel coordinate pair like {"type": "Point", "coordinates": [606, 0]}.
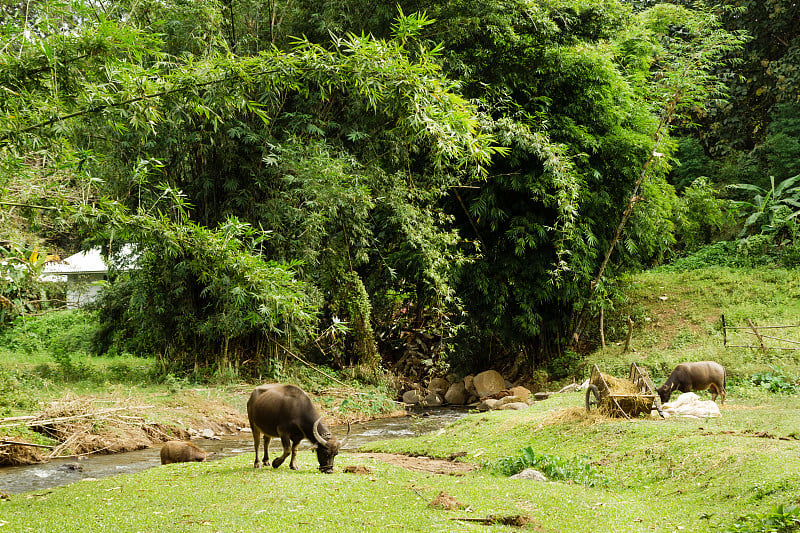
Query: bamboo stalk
{"type": "Point", "coordinates": [765, 327]}
{"type": "Point", "coordinates": [754, 347]}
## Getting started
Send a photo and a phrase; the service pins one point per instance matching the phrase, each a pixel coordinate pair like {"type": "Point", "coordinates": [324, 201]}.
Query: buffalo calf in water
{"type": "Point", "coordinates": [178, 451]}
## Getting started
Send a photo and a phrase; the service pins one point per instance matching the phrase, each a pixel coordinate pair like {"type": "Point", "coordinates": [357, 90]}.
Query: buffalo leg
{"type": "Point", "coordinates": [267, 440]}
{"type": "Point", "coordinates": [717, 390]}
{"type": "Point", "coordinates": [285, 441]}
{"type": "Point", "coordinates": [293, 462]}
{"type": "Point", "coordinates": [256, 442]}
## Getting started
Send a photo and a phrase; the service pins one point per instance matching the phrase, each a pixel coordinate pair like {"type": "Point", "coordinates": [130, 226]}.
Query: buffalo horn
{"type": "Point", "coordinates": [317, 436]}
{"type": "Point", "coordinates": [346, 436]}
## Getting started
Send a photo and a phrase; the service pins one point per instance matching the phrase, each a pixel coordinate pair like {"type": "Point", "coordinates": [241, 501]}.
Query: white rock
{"type": "Point", "coordinates": [530, 473]}
{"type": "Point", "coordinates": [488, 404]}
{"type": "Point", "coordinates": [516, 406]}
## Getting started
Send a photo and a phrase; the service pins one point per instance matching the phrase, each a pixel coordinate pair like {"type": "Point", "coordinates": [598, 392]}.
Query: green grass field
{"type": "Point", "coordinates": [738, 472]}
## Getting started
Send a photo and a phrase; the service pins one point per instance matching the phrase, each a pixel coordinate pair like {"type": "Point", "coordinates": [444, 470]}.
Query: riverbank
{"type": "Point", "coordinates": [123, 420]}
{"type": "Point", "coordinates": [648, 474]}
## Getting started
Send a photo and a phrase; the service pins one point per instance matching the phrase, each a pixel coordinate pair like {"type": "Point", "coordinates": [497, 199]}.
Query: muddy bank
{"type": "Point", "coordinates": [75, 426]}
{"type": "Point", "coordinates": [55, 472]}
{"type": "Point", "coordinates": [427, 465]}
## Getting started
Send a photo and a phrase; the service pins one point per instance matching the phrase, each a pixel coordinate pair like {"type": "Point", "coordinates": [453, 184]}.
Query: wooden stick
{"type": "Point", "coordinates": [14, 443]}
{"type": "Point", "coordinates": [628, 338]}
{"type": "Point", "coordinates": [15, 418]}
{"type": "Point", "coordinates": [486, 521]}
{"type": "Point", "coordinates": [754, 347]}
{"type": "Point", "coordinates": [760, 340]}
{"type": "Point", "coordinates": [776, 338]}
{"type": "Point", "coordinates": [765, 327]}
{"type": "Point", "coordinates": [724, 332]}
{"type": "Point", "coordinates": [39, 422]}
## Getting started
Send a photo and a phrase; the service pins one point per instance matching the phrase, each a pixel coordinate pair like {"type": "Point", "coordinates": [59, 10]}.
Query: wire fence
{"type": "Point", "coordinates": [743, 336]}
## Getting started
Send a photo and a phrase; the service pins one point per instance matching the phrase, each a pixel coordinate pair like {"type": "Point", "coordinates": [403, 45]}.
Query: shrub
{"type": "Point", "coordinates": [779, 519]}
{"type": "Point", "coordinates": [775, 381]}
{"type": "Point", "coordinates": [576, 470]}
{"type": "Point", "coordinates": [64, 331]}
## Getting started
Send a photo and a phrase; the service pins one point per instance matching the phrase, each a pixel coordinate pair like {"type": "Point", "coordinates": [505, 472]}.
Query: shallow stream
{"type": "Point", "coordinates": [17, 479]}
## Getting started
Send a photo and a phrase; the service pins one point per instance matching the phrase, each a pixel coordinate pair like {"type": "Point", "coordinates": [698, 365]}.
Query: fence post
{"type": "Point", "coordinates": [724, 333]}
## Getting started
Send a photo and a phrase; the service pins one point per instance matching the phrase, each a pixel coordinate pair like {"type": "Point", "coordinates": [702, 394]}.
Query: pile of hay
{"type": "Point", "coordinates": [633, 401]}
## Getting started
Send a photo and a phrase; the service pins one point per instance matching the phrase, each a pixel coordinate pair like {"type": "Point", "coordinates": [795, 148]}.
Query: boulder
{"type": "Point", "coordinates": [488, 404]}
{"type": "Point", "coordinates": [489, 383]}
{"type": "Point", "coordinates": [412, 397]}
{"type": "Point", "coordinates": [439, 385]}
{"type": "Point", "coordinates": [512, 399]}
{"type": "Point", "coordinates": [569, 388]}
{"type": "Point", "coordinates": [517, 406]}
{"type": "Point", "coordinates": [432, 399]}
{"type": "Point", "coordinates": [469, 384]}
{"type": "Point", "coordinates": [456, 394]}
{"type": "Point", "coordinates": [520, 392]}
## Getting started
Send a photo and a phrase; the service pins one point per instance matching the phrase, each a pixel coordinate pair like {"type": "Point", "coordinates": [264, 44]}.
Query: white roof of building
{"type": "Point", "coordinates": [88, 262]}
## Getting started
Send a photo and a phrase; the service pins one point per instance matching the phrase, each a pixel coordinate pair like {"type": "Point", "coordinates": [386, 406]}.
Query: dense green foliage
{"type": "Point", "coordinates": [475, 170]}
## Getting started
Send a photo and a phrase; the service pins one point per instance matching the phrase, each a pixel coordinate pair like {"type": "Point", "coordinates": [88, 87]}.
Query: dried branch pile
{"type": "Point", "coordinates": [81, 426]}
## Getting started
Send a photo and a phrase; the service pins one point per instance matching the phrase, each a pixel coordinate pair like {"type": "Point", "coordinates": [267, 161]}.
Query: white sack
{"type": "Point", "coordinates": [690, 405]}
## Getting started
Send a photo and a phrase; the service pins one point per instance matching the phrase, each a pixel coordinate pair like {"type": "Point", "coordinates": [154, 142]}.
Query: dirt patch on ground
{"type": "Point", "coordinates": [422, 464]}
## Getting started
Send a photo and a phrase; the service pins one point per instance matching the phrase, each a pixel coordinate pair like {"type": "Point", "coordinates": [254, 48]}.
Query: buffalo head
{"type": "Point", "coordinates": [327, 448]}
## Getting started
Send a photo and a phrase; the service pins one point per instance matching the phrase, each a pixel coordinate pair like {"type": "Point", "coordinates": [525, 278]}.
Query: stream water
{"type": "Point", "coordinates": [17, 479]}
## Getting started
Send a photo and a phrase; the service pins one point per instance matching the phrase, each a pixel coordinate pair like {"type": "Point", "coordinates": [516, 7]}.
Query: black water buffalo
{"type": "Point", "coordinates": [286, 412]}
{"type": "Point", "coordinates": [687, 377]}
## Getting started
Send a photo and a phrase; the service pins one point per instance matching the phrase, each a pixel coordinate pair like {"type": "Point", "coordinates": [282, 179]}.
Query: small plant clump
{"type": "Point", "coordinates": [575, 470]}
{"type": "Point", "coordinates": [775, 381]}
{"type": "Point", "coordinates": [779, 519]}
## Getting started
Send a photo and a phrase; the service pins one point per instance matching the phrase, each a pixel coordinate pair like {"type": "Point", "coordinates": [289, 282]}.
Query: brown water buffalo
{"type": "Point", "coordinates": [687, 377]}
{"type": "Point", "coordinates": [178, 451]}
{"type": "Point", "coordinates": [286, 412]}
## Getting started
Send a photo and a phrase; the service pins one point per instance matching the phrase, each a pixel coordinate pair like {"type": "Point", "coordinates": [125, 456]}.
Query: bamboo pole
{"type": "Point", "coordinates": [775, 338]}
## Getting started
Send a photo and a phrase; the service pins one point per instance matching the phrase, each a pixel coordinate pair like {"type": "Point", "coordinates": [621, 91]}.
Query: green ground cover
{"type": "Point", "coordinates": [738, 472]}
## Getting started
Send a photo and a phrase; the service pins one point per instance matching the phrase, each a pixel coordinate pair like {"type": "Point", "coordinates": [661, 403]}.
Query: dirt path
{"type": "Point", "coordinates": [421, 464]}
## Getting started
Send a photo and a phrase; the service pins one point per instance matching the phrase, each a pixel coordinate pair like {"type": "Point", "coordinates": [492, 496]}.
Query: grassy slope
{"type": "Point", "coordinates": [694, 475]}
